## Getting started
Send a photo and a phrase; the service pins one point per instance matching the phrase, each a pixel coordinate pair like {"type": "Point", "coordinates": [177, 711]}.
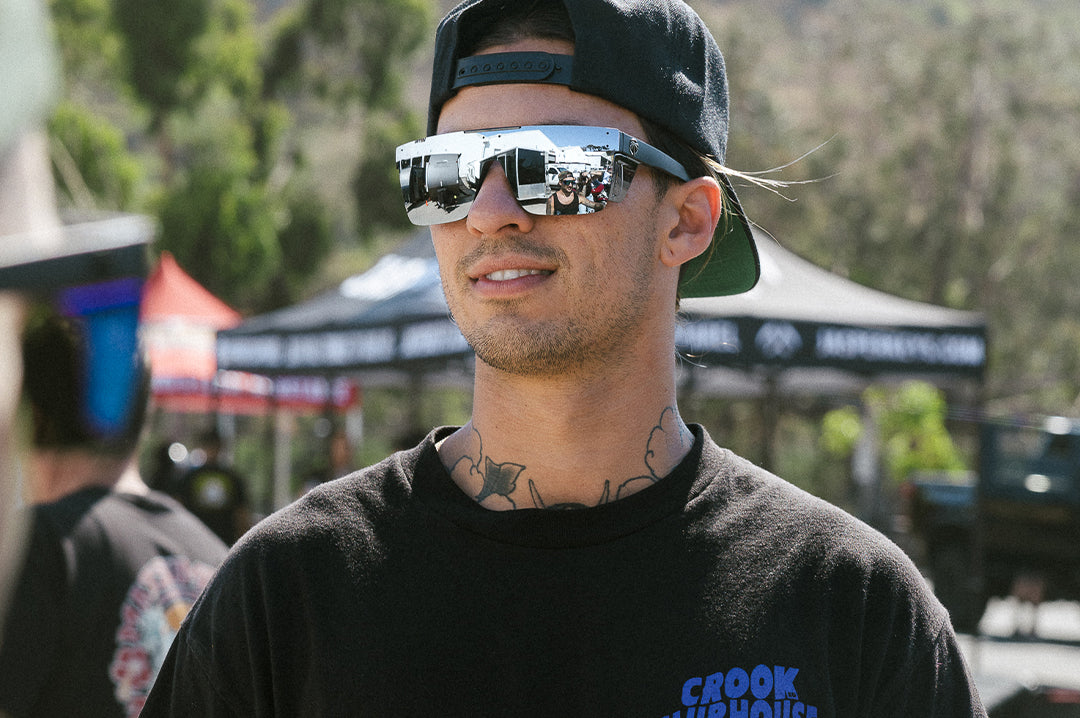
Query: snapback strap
{"type": "Point", "coordinates": [513, 67]}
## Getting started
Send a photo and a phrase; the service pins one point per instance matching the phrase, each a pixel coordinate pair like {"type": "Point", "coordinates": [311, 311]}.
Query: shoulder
{"type": "Point", "coordinates": [815, 544]}
{"type": "Point", "coordinates": [749, 498]}
{"type": "Point", "coordinates": [323, 542]}
{"type": "Point", "coordinates": [342, 510]}
{"type": "Point", "coordinates": [805, 564]}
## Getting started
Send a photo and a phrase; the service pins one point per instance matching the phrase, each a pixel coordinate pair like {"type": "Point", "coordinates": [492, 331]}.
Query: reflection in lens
{"type": "Point", "coordinates": [440, 175]}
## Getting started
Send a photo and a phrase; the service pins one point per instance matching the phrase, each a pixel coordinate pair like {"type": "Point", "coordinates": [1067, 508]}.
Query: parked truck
{"type": "Point", "coordinates": [1011, 528]}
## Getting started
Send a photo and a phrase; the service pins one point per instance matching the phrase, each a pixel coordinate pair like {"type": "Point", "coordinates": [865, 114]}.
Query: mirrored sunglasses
{"type": "Point", "coordinates": [440, 175]}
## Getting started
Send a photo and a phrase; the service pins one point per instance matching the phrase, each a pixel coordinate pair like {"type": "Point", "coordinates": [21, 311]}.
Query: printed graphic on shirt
{"type": "Point", "coordinates": [149, 618]}
{"type": "Point", "coordinates": [762, 692]}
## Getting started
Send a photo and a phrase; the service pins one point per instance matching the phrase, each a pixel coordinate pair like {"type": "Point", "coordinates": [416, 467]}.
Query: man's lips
{"type": "Point", "coordinates": [503, 275]}
{"type": "Point", "coordinates": [510, 266]}
{"type": "Point", "coordinates": [508, 281]}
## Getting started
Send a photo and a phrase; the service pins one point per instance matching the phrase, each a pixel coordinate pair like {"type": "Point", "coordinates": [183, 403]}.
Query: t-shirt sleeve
{"type": "Point", "coordinates": [939, 685]}
{"type": "Point", "coordinates": [31, 628]}
{"type": "Point", "coordinates": [216, 666]}
{"type": "Point", "coordinates": [905, 657]}
{"type": "Point", "coordinates": [185, 686]}
{"type": "Point", "coordinates": [916, 667]}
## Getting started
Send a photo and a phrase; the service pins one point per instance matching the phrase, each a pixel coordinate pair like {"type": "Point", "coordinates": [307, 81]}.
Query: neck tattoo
{"type": "Point", "coordinates": [498, 480]}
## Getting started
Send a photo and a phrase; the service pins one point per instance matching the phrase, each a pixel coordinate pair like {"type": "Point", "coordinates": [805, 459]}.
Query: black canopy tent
{"type": "Point", "coordinates": [389, 320]}
{"type": "Point", "coordinates": [815, 327]}
{"type": "Point", "coordinates": [806, 331]}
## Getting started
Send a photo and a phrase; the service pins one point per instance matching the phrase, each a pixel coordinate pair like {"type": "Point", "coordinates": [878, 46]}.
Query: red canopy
{"type": "Point", "coordinates": [170, 293]}
{"type": "Point", "coordinates": [180, 320]}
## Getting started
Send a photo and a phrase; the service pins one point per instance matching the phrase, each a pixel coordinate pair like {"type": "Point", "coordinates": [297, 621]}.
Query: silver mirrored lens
{"type": "Point", "coordinates": [440, 175]}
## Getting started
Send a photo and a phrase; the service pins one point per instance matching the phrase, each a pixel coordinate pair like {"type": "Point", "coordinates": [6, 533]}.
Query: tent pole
{"type": "Point", "coordinates": [770, 416]}
{"type": "Point", "coordinates": [283, 430]}
{"type": "Point", "coordinates": [416, 390]}
{"type": "Point", "coordinates": [866, 467]}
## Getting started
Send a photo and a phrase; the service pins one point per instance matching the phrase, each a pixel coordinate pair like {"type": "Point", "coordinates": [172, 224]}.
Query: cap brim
{"type": "Point", "coordinates": [730, 265]}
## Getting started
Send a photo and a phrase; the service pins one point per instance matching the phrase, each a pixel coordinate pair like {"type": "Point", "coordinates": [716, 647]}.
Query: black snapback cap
{"type": "Point", "coordinates": [655, 58]}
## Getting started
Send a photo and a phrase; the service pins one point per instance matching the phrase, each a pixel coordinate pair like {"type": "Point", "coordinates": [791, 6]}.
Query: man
{"type": "Point", "coordinates": [679, 580]}
{"type": "Point", "coordinates": [566, 199]}
{"type": "Point", "coordinates": [110, 568]}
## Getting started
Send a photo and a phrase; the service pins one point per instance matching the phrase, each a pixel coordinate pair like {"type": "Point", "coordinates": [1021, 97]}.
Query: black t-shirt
{"type": "Point", "coordinates": [561, 207]}
{"type": "Point", "coordinates": [719, 591]}
{"type": "Point", "coordinates": [106, 580]}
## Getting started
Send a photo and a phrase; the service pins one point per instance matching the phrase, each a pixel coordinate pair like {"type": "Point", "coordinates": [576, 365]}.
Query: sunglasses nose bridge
{"type": "Point", "coordinates": [495, 206]}
{"type": "Point", "coordinates": [485, 168]}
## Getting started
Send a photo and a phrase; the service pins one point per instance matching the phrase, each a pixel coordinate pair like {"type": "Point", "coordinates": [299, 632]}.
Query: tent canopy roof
{"type": "Point", "coordinates": [171, 293]}
{"type": "Point", "coordinates": [792, 288]}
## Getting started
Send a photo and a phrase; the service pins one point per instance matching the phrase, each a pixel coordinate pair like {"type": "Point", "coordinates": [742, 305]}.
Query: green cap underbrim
{"type": "Point", "coordinates": [730, 265]}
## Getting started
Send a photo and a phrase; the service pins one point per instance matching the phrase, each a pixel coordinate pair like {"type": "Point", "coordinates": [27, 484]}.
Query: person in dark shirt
{"type": "Point", "coordinates": [575, 548]}
{"type": "Point", "coordinates": [566, 199]}
{"type": "Point", "coordinates": [110, 567]}
{"type": "Point", "coordinates": [216, 493]}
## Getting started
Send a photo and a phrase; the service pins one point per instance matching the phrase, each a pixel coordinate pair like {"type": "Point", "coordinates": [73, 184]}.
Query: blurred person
{"type": "Point", "coordinates": [215, 492]}
{"type": "Point", "coordinates": [39, 256]}
{"type": "Point", "coordinates": [164, 473]}
{"type": "Point", "coordinates": [576, 548]}
{"type": "Point", "coordinates": [111, 567]}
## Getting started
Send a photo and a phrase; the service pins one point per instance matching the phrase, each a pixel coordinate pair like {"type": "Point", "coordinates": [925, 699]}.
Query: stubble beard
{"type": "Point", "coordinates": [588, 334]}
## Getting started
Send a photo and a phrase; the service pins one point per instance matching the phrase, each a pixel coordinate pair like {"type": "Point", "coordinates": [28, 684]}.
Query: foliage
{"type": "Point", "coordinates": [375, 185]}
{"type": "Point", "coordinates": [944, 170]}
{"type": "Point", "coordinates": [159, 42]}
{"type": "Point", "coordinates": [212, 201]}
{"type": "Point", "coordinates": [92, 161]}
{"type": "Point", "coordinates": [228, 55]}
{"type": "Point", "coordinates": [179, 110]}
{"type": "Point", "coordinates": [349, 56]}
{"type": "Point", "coordinates": [910, 421]}
{"type": "Point", "coordinates": [840, 430]}
{"type": "Point", "coordinates": [90, 47]}
{"type": "Point", "coordinates": [305, 238]}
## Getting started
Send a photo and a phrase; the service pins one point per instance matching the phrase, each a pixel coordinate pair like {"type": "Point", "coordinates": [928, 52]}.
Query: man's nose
{"type": "Point", "coordinates": [495, 207]}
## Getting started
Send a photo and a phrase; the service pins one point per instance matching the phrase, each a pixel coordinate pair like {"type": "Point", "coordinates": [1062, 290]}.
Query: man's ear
{"type": "Point", "coordinates": [698, 204]}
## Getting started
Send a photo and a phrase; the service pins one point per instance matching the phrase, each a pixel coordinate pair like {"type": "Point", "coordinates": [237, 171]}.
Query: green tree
{"type": "Point", "coordinates": [93, 165]}
{"type": "Point", "coordinates": [944, 172]}
{"type": "Point", "coordinates": [216, 215]}
{"type": "Point", "coordinates": [169, 117]}
{"type": "Point", "coordinates": [910, 420]}
{"type": "Point", "coordinates": [160, 40]}
{"type": "Point", "coordinates": [352, 57]}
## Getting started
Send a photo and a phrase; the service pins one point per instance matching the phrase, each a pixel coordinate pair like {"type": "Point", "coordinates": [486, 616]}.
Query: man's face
{"type": "Point", "coordinates": [550, 295]}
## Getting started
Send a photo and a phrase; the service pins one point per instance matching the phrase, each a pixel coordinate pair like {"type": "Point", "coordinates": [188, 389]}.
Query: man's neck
{"type": "Point", "coordinates": [55, 474]}
{"type": "Point", "coordinates": [565, 443]}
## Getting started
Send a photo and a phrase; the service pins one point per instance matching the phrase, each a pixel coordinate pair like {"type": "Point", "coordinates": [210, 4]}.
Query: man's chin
{"type": "Point", "coordinates": [531, 352]}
